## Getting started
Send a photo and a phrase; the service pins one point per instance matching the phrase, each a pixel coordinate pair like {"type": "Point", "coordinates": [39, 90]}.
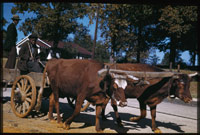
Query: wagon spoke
{"type": "Point", "coordinates": [20, 109]}
{"type": "Point", "coordinates": [27, 104]}
{"type": "Point", "coordinates": [25, 85]}
{"type": "Point", "coordinates": [19, 86]}
{"type": "Point", "coordinates": [28, 88]}
{"type": "Point", "coordinates": [16, 106]}
{"type": "Point", "coordinates": [29, 94]}
{"type": "Point", "coordinates": [28, 99]}
{"type": "Point", "coordinates": [22, 82]}
{"type": "Point", "coordinates": [24, 108]}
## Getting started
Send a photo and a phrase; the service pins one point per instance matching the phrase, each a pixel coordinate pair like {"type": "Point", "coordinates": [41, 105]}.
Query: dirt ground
{"type": "Point", "coordinates": [39, 123]}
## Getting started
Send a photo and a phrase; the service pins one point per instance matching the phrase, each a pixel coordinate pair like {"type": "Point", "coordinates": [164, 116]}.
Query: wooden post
{"type": "Point", "coordinates": [170, 66]}
{"type": "Point", "coordinates": [178, 67]}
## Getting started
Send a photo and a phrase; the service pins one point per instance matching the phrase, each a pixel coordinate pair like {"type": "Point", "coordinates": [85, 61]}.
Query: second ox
{"type": "Point", "coordinates": [151, 91]}
{"type": "Point", "coordinates": [79, 79]}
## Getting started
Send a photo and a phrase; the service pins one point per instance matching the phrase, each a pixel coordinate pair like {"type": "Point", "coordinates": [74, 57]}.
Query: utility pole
{"type": "Point", "coordinates": [95, 33]}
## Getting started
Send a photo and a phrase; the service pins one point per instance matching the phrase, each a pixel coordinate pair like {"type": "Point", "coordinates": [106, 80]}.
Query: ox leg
{"type": "Point", "coordinates": [79, 102]}
{"type": "Point", "coordinates": [51, 105]}
{"type": "Point", "coordinates": [97, 122]}
{"type": "Point", "coordinates": [103, 109]}
{"type": "Point", "coordinates": [59, 119]}
{"type": "Point", "coordinates": [114, 106]}
{"type": "Point", "coordinates": [142, 113]}
{"type": "Point", "coordinates": [153, 116]}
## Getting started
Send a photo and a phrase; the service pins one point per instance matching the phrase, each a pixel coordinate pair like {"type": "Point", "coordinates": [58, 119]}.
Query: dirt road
{"type": "Point", "coordinates": [171, 118]}
{"type": "Point", "coordinates": [39, 123]}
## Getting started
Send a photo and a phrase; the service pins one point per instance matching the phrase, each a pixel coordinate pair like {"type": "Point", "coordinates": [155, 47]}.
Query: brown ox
{"type": "Point", "coordinates": [153, 93]}
{"type": "Point", "coordinates": [79, 79]}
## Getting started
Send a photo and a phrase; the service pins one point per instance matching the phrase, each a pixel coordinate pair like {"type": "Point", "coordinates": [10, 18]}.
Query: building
{"type": "Point", "coordinates": [82, 53]}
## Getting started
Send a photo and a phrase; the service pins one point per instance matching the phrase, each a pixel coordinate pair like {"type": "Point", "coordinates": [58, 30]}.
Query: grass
{"type": "Point", "coordinates": [193, 84]}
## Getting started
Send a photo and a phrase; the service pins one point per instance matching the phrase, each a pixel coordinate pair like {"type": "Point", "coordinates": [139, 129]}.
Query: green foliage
{"type": "Point", "coordinates": [180, 24]}
{"type": "Point", "coordinates": [52, 21]}
{"type": "Point", "coordinates": [127, 28]}
{"type": "Point", "coordinates": [83, 39]}
{"type": "Point", "coordinates": [68, 52]}
{"type": "Point", "coordinates": [129, 31]}
{"type": "Point", "coordinates": [101, 52]}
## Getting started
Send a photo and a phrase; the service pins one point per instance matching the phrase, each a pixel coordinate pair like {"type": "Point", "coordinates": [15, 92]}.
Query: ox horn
{"type": "Point", "coordinates": [191, 75]}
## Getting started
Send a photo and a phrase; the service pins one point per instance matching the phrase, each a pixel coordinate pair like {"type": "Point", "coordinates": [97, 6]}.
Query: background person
{"type": "Point", "coordinates": [10, 42]}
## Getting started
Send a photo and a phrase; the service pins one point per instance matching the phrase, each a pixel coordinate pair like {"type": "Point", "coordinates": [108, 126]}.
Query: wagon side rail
{"type": "Point", "coordinates": [9, 75]}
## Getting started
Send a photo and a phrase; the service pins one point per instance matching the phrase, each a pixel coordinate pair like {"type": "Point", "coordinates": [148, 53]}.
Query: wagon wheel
{"type": "Point", "coordinates": [23, 96]}
{"type": "Point", "coordinates": [72, 101]}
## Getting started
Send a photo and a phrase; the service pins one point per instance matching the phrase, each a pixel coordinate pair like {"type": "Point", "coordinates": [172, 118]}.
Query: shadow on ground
{"type": "Point", "coordinates": [89, 119]}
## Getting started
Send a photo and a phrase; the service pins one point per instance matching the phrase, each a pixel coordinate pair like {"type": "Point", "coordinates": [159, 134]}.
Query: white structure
{"type": "Point", "coordinates": [82, 53]}
{"type": "Point", "coordinates": [18, 46]}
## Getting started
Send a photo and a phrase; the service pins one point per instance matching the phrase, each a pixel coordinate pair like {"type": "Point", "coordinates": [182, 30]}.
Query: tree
{"type": "Point", "coordinates": [102, 53]}
{"type": "Point", "coordinates": [165, 60]}
{"type": "Point", "coordinates": [83, 39]}
{"type": "Point", "coordinates": [176, 21]}
{"type": "Point", "coordinates": [127, 28]}
{"type": "Point", "coordinates": [52, 21]}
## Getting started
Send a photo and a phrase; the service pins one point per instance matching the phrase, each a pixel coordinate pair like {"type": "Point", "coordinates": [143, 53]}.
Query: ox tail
{"type": "Point", "coordinates": [39, 98]}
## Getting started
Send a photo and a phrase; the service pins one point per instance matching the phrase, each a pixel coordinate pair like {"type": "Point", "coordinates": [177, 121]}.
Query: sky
{"type": "Point", "coordinates": [8, 15]}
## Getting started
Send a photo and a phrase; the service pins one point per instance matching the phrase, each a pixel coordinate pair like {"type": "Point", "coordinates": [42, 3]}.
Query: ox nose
{"type": "Point", "coordinates": [122, 104]}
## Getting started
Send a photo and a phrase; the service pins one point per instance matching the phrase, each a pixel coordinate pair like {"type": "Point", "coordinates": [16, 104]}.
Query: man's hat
{"type": "Point", "coordinates": [33, 35]}
{"type": "Point", "coordinates": [15, 17]}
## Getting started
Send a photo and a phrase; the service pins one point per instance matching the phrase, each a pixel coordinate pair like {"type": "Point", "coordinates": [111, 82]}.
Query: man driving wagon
{"type": "Point", "coordinates": [29, 58]}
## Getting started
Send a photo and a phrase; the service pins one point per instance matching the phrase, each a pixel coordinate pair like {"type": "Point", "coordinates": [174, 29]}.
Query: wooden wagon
{"type": "Point", "coordinates": [25, 91]}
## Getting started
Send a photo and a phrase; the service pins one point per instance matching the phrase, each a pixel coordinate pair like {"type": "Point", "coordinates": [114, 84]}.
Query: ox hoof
{"type": "Point", "coordinates": [66, 126]}
{"type": "Point", "coordinates": [157, 130]}
{"type": "Point", "coordinates": [60, 125]}
{"type": "Point", "coordinates": [133, 119]}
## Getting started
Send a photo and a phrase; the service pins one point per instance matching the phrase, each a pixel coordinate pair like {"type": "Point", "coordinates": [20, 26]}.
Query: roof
{"type": "Point", "coordinates": [80, 49]}
{"type": "Point", "coordinates": [61, 44]}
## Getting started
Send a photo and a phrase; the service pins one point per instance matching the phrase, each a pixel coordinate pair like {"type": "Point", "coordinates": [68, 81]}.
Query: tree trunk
{"type": "Point", "coordinates": [139, 45]}
{"type": "Point", "coordinates": [95, 34]}
{"type": "Point", "coordinates": [193, 58]}
{"type": "Point", "coordinates": [172, 54]}
{"type": "Point", "coordinates": [138, 55]}
{"type": "Point", "coordinates": [113, 48]}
